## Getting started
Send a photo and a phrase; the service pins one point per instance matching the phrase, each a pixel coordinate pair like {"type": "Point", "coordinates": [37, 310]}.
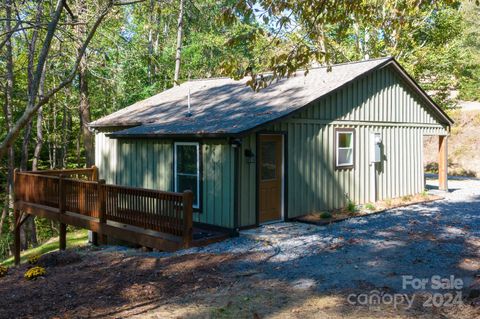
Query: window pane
{"type": "Point", "coordinates": [345, 156]}
{"type": "Point", "coordinates": [186, 182]}
{"type": "Point", "coordinates": [345, 139]}
{"type": "Point", "coordinates": [187, 159]}
{"type": "Point", "coordinates": [269, 165]}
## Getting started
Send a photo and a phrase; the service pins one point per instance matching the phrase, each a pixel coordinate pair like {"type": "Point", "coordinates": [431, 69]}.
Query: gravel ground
{"type": "Point", "coordinates": [437, 238]}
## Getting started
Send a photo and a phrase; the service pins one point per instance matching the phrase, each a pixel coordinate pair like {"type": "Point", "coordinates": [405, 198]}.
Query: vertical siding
{"type": "Point", "coordinates": [218, 161]}
{"type": "Point", "coordinates": [145, 163]}
{"type": "Point", "coordinates": [148, 163]}
{"type": "Point", "coordinates": [378, 103]}
{"type": "Point", "coordinates": [106, 157]}
{"type": "Point", "coordinates": [247, 181]}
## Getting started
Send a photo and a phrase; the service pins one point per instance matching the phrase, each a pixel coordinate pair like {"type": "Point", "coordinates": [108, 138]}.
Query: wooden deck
{"type": "Point", "coordinates": [155, 219]}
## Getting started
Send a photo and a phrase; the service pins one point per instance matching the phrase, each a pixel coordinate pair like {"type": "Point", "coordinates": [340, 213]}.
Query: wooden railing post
{"type": "Point", "coordinates": [61, 209]}
{"type": "Point", "coordinates": [94, 173]}
{"type": "Point", "coordinates": [187, 218]}
{"type": "Point", "coordinates": [101, 206]}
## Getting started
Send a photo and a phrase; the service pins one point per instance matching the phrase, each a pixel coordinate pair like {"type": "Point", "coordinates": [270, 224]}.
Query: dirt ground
{"type": "Point", "coordinates": [97, 284]}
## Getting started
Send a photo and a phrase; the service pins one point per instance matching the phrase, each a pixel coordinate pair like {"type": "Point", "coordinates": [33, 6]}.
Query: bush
{"type": "Point", "coordinates": [34, 273]}
{"type": "Point", "coordinates": [431, 167]}
{"type": "Point", "coordinates": [351, 206]}
{"type": "Point", "coordinates": [3, 271]}
{"type": "Point", "coordinates": [32, 260]}
{"type": "Point", "coordinates": [370, 206]}
{"type": "Point", "coordinates": [325, 215]}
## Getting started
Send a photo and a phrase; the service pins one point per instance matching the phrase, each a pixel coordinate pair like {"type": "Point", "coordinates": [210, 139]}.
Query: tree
{"type": "Point", "coordinates": [33, 102]}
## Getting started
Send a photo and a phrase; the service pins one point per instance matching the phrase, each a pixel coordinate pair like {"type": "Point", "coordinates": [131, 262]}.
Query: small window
{"type": "Point", "coordinates": [344, 155]}
{"type": "Point", "coordinates": [269, 165]}
{"type": "Point", "coordinates": [187, 171]}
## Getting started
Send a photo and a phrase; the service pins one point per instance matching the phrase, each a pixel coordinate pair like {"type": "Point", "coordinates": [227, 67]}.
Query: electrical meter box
{"type": "Point", "coordinates": [376, 147]}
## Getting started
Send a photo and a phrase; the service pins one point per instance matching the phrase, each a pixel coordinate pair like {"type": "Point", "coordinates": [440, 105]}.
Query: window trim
{"type": "Point", "coordinates": [175, 183]}
{"type": "Point", "coordinates": [337, 132]}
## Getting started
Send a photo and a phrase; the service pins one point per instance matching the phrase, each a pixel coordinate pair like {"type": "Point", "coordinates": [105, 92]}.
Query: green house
{"type": "Point", "coordinates": [307, 143]}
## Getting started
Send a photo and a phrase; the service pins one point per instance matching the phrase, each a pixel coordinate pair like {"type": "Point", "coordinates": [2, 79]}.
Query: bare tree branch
{"type": "Point", "coordinates": [32, 108]}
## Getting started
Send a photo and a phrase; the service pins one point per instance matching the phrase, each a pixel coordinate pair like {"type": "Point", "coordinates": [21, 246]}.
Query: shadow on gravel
{"type": "Point", "coordinates": [437, 238]}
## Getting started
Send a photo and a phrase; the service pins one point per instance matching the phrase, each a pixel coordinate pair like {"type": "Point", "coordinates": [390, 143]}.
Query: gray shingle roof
{"type": "Point", "coordinates": [228, 107]}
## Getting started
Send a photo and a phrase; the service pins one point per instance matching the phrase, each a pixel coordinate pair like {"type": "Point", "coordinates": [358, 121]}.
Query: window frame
{"type": "Point", "coordinates": [338, 131]}
{"type": "Point", "coordinates": [199, 177]}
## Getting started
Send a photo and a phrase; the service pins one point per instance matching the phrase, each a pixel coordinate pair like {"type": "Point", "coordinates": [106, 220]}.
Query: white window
{"type": "Point", "coordinates": [344, 148]}
{"type": "Point", "coordinates": [187, 169]}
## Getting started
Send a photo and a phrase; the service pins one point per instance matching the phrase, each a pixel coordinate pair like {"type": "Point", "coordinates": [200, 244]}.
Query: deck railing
{"type": "Point", "coordinates": [165, 212]}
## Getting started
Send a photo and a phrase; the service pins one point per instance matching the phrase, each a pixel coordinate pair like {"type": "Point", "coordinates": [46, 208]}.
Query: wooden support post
{"type": "Point", "coordinates": [443, 163]}
{"type": "Point", "coordinates": [17, 236]}
{"type": "Point", "coordinates": [187, 218]}
{"type": "Point", "coordinates": [101, 206]}
{"type": "Point", "coordinates": [61, 207]}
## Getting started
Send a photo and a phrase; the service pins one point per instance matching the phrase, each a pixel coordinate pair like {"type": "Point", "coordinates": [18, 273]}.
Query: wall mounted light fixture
{"type": "Point", "coordinates": [250, 156]}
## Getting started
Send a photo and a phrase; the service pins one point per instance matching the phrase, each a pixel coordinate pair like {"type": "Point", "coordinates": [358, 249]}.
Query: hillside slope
{"type": "Point", "coordinates": [463, 145]}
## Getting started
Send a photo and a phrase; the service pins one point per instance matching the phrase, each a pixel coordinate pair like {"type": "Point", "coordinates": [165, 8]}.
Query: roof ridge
{"type": "Point", "coordinates": [299, 70]}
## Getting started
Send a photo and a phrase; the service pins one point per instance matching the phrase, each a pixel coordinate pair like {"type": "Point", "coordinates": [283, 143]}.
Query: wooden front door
{"type": "Point", "coordinates": [270, 161]}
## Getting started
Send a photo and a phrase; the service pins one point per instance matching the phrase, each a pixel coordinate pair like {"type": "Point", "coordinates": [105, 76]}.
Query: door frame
{"type": "Point", "coordinates": [284, 192]}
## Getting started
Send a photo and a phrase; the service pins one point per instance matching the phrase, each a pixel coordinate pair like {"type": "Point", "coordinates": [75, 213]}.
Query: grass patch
{"type": "Point", "coordinates": [74, 239]}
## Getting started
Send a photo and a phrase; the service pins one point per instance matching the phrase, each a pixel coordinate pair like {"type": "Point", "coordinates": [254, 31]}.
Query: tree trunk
{"type": "Point", "coordinates": [179, 45]}
{"type": "Point", "coordinates": [8, 114]}
{"type": "Point", "coordinates": [39, 144]}
{"type": "Point", "coordinates": [84, 103]}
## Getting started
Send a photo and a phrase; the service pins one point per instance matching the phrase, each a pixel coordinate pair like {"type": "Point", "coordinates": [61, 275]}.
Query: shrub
{"type": "Point", "coordinates": [431, 167]}
{"type": "Point", "coordinates": [370, 206]}
{"type": "Point", "coordinates": [32, 260]}
{"type": "Point", "coordinates": [3, 271]}
{"type": "Point", "coordinates": [325, 215]}
{"type": "Point", "coordinates": [406, 198]}
{"type": "Point", "coordinates": [34, 273]}
{"type": "Point", "coordinates": [351, 206]}
{"type": "Point", "coordinates": [424, 193]}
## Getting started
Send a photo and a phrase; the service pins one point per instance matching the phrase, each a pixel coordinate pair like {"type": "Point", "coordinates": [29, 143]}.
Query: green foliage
{"type": "Point", "coordinates": [370, 206]}
{"type": "Point", "coordinates": [325, 215]}
{"type": "Point", "coordinates": [352, 206]}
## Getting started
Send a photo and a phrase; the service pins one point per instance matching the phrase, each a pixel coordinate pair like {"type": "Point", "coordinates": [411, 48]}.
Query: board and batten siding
{"type": "Point", "coordinates": [378, 103]}
{"type": "Point", "coordinates": [148, 163]}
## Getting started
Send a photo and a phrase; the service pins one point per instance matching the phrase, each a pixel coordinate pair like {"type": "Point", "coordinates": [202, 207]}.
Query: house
{"type": "Point", "coordinates": [308, 143]}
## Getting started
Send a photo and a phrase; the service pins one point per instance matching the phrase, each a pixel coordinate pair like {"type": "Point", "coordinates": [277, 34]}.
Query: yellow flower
{"type": "Point", "coordinates": [3, 271]}
{"type": "Point", "coordinates": [33, 259]}
{"type": "Point", "coordinates": [35, 272]}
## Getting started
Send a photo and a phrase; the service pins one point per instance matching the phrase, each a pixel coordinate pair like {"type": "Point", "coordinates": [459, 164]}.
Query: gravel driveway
{"type": "Point", "coordinates": [437, 238]}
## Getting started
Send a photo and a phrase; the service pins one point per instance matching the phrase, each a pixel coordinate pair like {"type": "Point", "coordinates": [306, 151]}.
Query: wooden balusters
{"type": "Point", "coordinates": [166, 212]}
